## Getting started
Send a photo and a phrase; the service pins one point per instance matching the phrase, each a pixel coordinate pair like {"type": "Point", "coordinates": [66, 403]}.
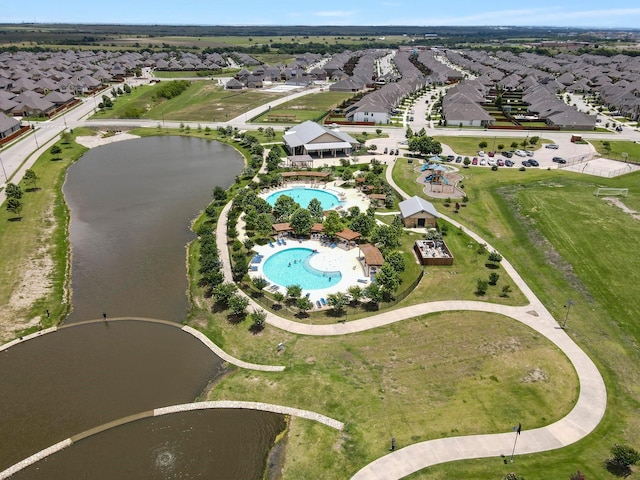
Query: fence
{"type": "Point", "coordinates": [402, 295]}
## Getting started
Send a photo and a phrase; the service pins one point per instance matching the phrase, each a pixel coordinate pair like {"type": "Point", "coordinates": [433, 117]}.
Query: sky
{"type": "Point", "coordinates": [563, 13]}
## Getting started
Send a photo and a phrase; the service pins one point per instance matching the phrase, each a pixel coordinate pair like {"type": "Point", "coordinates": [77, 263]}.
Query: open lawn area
{"type": "Point", "coordinates": [567, 245]}
{"type": "Point", "coordinates": [203, 101]}
{"type": "Point", "coordinates": [617, 148]}
{"type": "Point", "coordinates": [469, 146]}
{"type": "Point", "coordinates": [308, 107]}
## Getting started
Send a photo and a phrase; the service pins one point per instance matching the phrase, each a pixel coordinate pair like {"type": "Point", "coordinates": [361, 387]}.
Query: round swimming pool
{"type": "Point", "coordinates": [303, 196]}
{"type": "Point", "coordinates": [293, 267]}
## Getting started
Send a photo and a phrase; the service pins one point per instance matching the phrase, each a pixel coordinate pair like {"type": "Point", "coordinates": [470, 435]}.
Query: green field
{"type": "Point", "coordinates": [203, 101]}
{"type": "Point", "coordinates": [617, 148]}
{"type": "Point", "coordinates": [308, 107]}
{"type": "Point", "coordinates": [469, 146]}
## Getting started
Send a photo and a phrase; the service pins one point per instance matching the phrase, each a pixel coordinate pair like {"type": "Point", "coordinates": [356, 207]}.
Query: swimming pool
{"type": "Point", "coordinates": [292, 267]}
{"type": "Point", "coordinates": [303, 196]}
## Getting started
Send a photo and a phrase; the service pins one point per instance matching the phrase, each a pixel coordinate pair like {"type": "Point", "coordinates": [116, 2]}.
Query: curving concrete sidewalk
{"type": "Point", "coordinates": [583, 418]}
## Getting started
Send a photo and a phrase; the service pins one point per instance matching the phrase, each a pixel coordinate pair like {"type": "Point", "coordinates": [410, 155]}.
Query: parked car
{"type": "Point", "coordinates": [483, 161]}
{"type": "Point", "coordinates": [491, 154]}
{"type": "Point", "coordinates": [552, 146]}
{"type": "Point", "coordinates": [450, 158]}
{"type": "Point", "coordinates": [397, 151]}
{"type": "Point", "coordinates": [533, 162]}
{"type": "Point", "coordinates": [501, 163]}
{"type": "Point", "coordinates": [559, 160]}
{"type": "Point", "coordinates": [386, 149]}
{"type": "Point", "coordinates": [529, 153]}
{"type": "Point", "coordinates": [474, 161]}
{"type": "Point", "coordinates": [491, 162]}
{"type": "Point", "coordinates": [481, 153]}
{"type": "Point", "coordinates": [520, 153]}
{"type": "Point", "coordinates": [508, 163]}
{"type": "Point", "coordinates": [458, 159]}
{"type": "Point", "coordinates": [507, 154]}
{"type": "Point", "coordinates": [525, 163]}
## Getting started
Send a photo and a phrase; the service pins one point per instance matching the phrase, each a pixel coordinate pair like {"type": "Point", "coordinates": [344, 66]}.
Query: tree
{"type": "Point", "coordinates": [294, 292]}
{"type": "Point", "coordinates": [263, 224]}
{"type": "Point", "coordinates": [514, 144]}
{"type": "Point", "coordinates": [13, 191]}
{"type": "Point", "coordinates": [316, 210]}
{"type": "Point", "coordinates": [337, 301]}
{"type": "Point", "coordinates": [303, 304]}
{"type": "Point", "coordinates": [55, 152]}
{"type": "Point", "coordinates": [388, 279]}
{"type": "Point", "coordinates": [223, 292]}
{"type": "Point", "coordinates": [284, 207]}
{"type": "Point", "coordinates": [207, 130]}
{"type": "Point", "coordinates": [506, 290]}
{"type": "Point", "coordinates": [495, 257]}
{"type": "Point", "coordinates": [500, 146]}
{"type": "Point", "coordinates": [30, 177]}
{"type": "Point", "coordinates": [363, 224]}
{"type": "Point", "coordinates": [269, 133]}
{"type": "Point", "coordinates": [258, 319]}
{"type": "Point", "coordinates": [378, 131]}
{"type": "Point", "coordinates": [409, 133]}
{"type": "Point", "coordinates": [356, 293]}
{"type": "Point", "coordinates": [534, 140]}
{"type": "Point", "coordinates": [387, 236]}
{"type": "Point", "coordinates": [481, 287]}
{"type": "Point", "coordinates": [259, 282]}
{"type": "Point", "coordinates": [624, 456]}
{"type": "Point", "coordinates": [14, 205]}
{"type": "Point", "coordinates": [373, 293]}
{"type": "Point", "coordinates": [278, 297]}
{"type": "Point", "coordinates": [66, 137]}
{"type": "Point", "coordinates": [396, 260]}
{"type": "Point", "coordinates": [577, 476]}
{"type": "Point", "coordinates": [333, 224]}
{"type": "Point", "coordinates": [512, 476]}
{"type": "Point", "coordinates": [493, 278]}
{"type": "Point", "coordinates": [238, 304]}
{"type": "Point", "coordinates": [301, 221]}
{"type": "Point", "coordinates": [482, 145]}
{"type": "Point", "coordinates": [466, 162]}
{"type": "Point", "coordinates": [425, 145]}
{"type": "Point", "coordinates": [219, 194]}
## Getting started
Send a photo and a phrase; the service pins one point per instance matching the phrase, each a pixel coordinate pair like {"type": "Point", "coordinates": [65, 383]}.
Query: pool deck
{"type": "Point", "coordinates": [351, 268]}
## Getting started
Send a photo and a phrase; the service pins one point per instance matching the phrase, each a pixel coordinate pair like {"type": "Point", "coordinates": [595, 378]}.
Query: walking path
{"type": "Point", "coordinates": [583, 418]}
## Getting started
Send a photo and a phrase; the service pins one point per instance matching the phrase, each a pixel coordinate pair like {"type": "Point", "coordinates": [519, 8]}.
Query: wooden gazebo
{"type": "Point", "coordinates": [372, 257]}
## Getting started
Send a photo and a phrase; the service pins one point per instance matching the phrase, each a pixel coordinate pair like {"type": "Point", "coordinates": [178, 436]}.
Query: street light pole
{"type": "Point", "coordinates": [566, 317]}
{"type": "Point", "coordinates": [6, 179]}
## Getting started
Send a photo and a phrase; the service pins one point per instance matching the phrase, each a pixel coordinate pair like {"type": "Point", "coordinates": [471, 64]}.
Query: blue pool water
{"type": "Point", "coordinates": [291, 267]}
{"type": "Point", "coordinates": [304, 195]}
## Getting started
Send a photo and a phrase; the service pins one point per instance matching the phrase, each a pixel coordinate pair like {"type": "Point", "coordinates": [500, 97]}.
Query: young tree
{"type": "Point", "coordinates": [303, 304]}
{"type": "Point", "coordinates": [409, 133]}
{"type": "Point", "coordinates": [238, 304]}
{"type": "Point", "coordinates": [219, 194]}
{"type": "Point", "coordinates": [482, 145]}
{"type": "Point", "coordinates": [294, 292]}
{"type": "Point", "coordinates": [223, 292]}
{"type": "Point", "coordinates": [495, 257]}
{"type": "Point", "coordinates": [259, 282]}
{"type": "Point", "coordinates": [13, 191]}
{"type": "Point", "coordinates": [396, 260]}
{"type": "Point", "coordinates": [30, 177]}
{"type": "Point", "coordinates": [55, 152]}
{"type": "Point", "coordinates": [500, 146]}
{"type": "Point", "coordinates": [263, 224]}
{"type": "Point", "coordinates": [493, 278]}
{"type": "Point", "coordinates": [481, 287]}
{"type": "Point", "coordinates": [374, 293]}
{"type": "Point", "coordinates": [14, 205]}
{"type": "Point", "coordinates": [258, 320]}
{"type": "Point", "coordinates": [278, 297]}
{"type": "Point", "coordinates": [466, 162]}
{"type": "Point", "coordinates": [356, 293]}
{"type": "Point", "coordinates": [506, 290]}
{"type": "Point", "coordinates": [337, 301]}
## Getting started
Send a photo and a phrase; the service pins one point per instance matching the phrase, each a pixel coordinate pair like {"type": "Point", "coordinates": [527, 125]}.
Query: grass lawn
{"type": "Point", "coordinates": [438, 375]}
{"type": "Point", "coordinates": [203, 101]}
{"type": "Point", "coordinates": [463, 145]}
{"type": "Point", "coordinates": [307, 107]}
{"type": "Point", "coordinates": [616, 148]}
{"type": "Point", "coordinates": [34, 249]}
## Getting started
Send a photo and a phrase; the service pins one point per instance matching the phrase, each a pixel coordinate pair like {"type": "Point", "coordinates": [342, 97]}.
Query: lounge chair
{"type": "Point", "coordinates": [254, 268]}
{"type": "Point", "coordinates": [318, 304]}
{"type": "Point", "coordinates": [278, 241]}
{"type": "Point", "coordinates": [323, 301]}
{"type": "Point", "coordinates": [271, 244]}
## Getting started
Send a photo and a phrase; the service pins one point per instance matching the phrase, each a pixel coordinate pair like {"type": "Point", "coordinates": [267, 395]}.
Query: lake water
{"type": "Point", "coordinates": [131, 205]}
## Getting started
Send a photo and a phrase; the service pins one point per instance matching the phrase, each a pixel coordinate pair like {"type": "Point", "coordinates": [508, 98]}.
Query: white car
{"type": "Point", "coordinates": [491, 162]}
{"type": "Point", "coordinates": [483, 161]}
{"type": "Point", "coordinates": [481, 153]}
{"type": "Point", "coordinates": [553, 146]}
{"type": "Point", "coordinates": [520, 153]}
